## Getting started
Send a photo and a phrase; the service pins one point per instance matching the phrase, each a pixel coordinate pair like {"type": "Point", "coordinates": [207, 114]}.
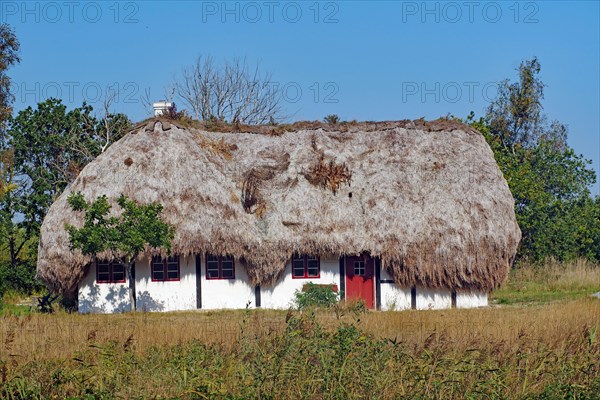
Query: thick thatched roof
{"type": "Point", "coordinates": [428, 198]}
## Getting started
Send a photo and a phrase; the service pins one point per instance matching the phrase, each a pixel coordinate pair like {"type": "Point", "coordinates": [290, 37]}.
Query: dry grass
{"type": "Point", "coordinates": [527, 350]}
{"type": "Point", "coordinates": [552, 281]}
{"type": "Point", "coordinates": [440, 124]}
{"type": "Point", "coordinates": [45, 337]}
{"type": "Point", "coordinates": [217, 147]}
{"type": "Point", "coordinates": [328, 175]}
{"type": "Point", "coordinates": [252, 200]}
{"type": "Point", "coordinates": [503, 352]}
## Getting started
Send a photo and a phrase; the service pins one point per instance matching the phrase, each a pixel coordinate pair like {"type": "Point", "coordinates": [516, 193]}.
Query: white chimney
{"type": "Point", "coordinates": [163, 107]}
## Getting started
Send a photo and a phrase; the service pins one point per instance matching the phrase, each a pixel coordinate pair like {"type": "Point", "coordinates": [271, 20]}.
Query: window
{"type": "Point", "coordinates": [359, 268]}
{"type": "Point", "coordinates": [165, 269]}
{"type": "Point", "coordinates": [110, 272]}
{"type": "Point", "coordinates": [306, 267]}
{"type": "Point", "coordinates": [219, 267]}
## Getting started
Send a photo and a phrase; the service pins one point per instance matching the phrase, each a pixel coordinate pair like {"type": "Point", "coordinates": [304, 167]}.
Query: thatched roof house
{"type": "Point", "coordinates": [425, 198]}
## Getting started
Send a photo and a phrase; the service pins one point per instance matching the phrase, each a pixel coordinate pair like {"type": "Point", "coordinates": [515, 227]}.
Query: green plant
{"type": "Point", "coordinates": [391, 303]}
{"type": "Point", "coordinates": [527, 352]}
{"type": "Point", "coordinates": [332, 119]}
{"type": "Point", "coordinates": [549, 181]}
{"type": "Point", "coordinates": [551, 281]}
{"type": "Point", "coordinates": [313, 295]}
{"type": "Point", "coordinates": [358, 307]}
{"type": "Point", "coordinates": [9, 56]}
{"type": "Point", "coordinates": [19, 278]}
{"type": "Point", "coordinates": [355, 307]}
{"type": "Point", "coordinates": [124, 237]}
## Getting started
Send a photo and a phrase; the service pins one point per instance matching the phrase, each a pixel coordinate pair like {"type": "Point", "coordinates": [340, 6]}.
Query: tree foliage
{"type": "Point", "coordinates": [51, 145]}
{"type": "Point", "coordinates": [124, 236]}
{"type": "Point", "coordinates": [549, 181]}
{"type": "Point", "coordinates": [9, 56]}
{"type": "Point", "coordinates": [17, 251]}
{"type": "Point", "coordinates": [515, 117]}
{"type": "Point", "coordinates": [42, 152]}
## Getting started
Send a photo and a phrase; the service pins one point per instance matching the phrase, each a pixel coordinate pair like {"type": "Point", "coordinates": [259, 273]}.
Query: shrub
{"type": "Point", "coordinates": [20, 278]}
{"type": "Point", "coordinates": [355, 307]}
{"type": "Point", "coordinates": [316, 296]}
{"type": "Point", "coordinates": [332, 119]}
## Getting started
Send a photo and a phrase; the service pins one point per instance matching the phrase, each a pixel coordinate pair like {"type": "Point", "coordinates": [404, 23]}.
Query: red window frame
{"type": "Point", "coordinates": [209, 258]}
{"type": "Point", "coordinates": [110, 272]}
{"type": "Point", "coordinates": [161, 265]}
{"type": "Point", "coordinates": [305, 259]}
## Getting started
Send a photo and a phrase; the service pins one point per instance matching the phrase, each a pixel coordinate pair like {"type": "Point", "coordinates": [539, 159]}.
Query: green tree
{"type": "Point", "coordinates": [9, 56]}
{"type": "Point", "coordinates": [313, 295]}
{"type": "Point", "coordinates": [594, 228]}
{"type": "Point", "coordinates": [41, 153]}
{"type": "Point", "coordinates": [11, 234]}
{"type": "Point", "coordinates": [16, 261]}
{"type": "Point", "coordinates": [548, 180]}
{"type": "Point", "coordinates": [51, 145]}
{"type": "Point", "coordinates": [515, 116]}
{"type": "Point", "coordinates": [125, 236]}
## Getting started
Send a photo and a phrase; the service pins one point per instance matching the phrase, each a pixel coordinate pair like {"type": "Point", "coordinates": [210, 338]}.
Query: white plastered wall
{"type": "Point", "coordinates": [168, 295]}
{"type": "Point", "coordinates": [226, 293]}
{"type": "Point", "coordinates": [393, 297]}
{"type": "Point", "coordinates": [433, 299]}
{"type": "Point", "coordinates": [472, 299]}
{"type": "Point", "coordinates": [238, 293]}
{"type": "Point", "coordinates": [281, 295]}
{"type": "Point", "coordinates": [102, 297]}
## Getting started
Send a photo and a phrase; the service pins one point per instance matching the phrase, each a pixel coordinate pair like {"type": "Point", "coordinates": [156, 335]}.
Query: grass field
{"type": "Point", "coordinates": [538, 340]}
{"type": "Point", "coordinates": [552, 282]}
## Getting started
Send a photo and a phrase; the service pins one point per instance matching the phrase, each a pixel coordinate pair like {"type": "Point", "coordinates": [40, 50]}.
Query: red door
{"type": "Point", "coordinates": [360, 281]}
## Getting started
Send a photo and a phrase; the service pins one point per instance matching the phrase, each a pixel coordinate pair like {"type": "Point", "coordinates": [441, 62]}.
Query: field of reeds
{"type": "Point", "coordinates": [526, 345]}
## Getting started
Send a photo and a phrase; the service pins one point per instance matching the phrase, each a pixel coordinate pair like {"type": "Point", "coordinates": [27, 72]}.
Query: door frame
{"type": "Point", "coordinates": [342, 265]}
{"type": "Point", "coordinates": [376, 277]}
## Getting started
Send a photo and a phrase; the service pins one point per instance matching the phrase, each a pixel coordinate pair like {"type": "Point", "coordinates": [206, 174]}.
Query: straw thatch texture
{"type": "Point", "coordinates": [428, 199]}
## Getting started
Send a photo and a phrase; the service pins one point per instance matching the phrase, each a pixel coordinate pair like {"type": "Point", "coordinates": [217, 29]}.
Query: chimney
{"type": "Point", "coordinates": [164, 107]}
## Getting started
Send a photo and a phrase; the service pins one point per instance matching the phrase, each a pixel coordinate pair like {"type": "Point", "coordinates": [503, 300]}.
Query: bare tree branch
{"type": "Point", "coordinates": [231, 92]}
{"type": "Point", "coordinates": [108, 128]}
{"type": "Point", "coordinates": [146, 101]}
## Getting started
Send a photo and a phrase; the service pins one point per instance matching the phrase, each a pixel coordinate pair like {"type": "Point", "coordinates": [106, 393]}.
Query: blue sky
{"type": "Point", "coordinates": [361, 60]}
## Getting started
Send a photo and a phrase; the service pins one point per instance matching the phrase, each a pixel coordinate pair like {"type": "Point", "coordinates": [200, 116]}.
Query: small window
{"type": "Point", "coordinates": [306, 267]}
{"type": "Point", "coordinates": [165, 269]}
{"type": "Point", "coordinates": [110, 272]}
{"type": "Point", "coordinates": [220, 267]}
{"type": "Point", "coordinates": [172, 268]}
{"type": "Point", "coordinates": [359, 268]}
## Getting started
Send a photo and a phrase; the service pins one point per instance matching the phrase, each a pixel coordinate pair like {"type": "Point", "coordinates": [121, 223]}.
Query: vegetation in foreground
{"type": "Point", "coordinates": [551, 352]}
{"type": "Point", "coordinates": [543, 350]}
